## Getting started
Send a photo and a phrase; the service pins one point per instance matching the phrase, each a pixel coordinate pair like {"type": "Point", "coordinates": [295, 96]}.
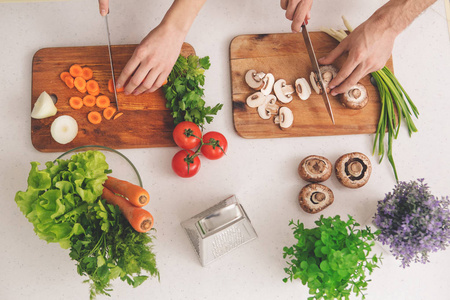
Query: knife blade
{"type": "Point", "coordinates": [316, 69]}
{"type": "Point", "coordinates": [111, 61]}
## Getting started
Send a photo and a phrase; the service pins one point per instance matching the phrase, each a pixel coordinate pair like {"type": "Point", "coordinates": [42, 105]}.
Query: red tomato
{"type": "Point", "coordinates": [184, 165]}
{"type": "Point", "coordinates": [217, 145]}
{"type": "Point", "coordinates": [187, 135]}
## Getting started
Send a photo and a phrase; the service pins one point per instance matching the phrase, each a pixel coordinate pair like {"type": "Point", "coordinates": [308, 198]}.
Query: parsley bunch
{"type": "Point", "coordinates": [184, 91]}
{"type": "Point", "coordinates": [332, 258]}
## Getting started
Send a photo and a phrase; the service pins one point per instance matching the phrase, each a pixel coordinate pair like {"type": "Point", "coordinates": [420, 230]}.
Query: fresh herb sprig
{"type": "Point", "coordinates": [391, 93]}
{"type": "Point", "coordinates": [331, 259]}
{"type": "Point", "coordinates": [184, 92]}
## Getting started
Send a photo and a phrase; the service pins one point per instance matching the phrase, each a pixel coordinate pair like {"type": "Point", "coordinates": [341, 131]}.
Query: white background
{"type": "Point", "coordinates": [261, 173]}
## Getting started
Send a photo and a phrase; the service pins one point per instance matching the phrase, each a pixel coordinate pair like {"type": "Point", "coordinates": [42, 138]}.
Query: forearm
{"type": "Point", "coordinates": [396, 15]}
{"type": "Point", "coordinates": [182, 14]}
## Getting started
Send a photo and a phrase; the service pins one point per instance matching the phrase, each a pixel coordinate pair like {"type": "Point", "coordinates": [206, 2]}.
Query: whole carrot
{"type": "Point", "coordinates": [140, 219]}
{"type": "Point", "coordinates": [137, 195]}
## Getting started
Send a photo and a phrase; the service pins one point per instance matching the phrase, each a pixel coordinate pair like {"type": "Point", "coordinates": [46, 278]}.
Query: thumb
{"type": "Point", "coordinates": [103, 7]}
{"type": "Point", "coordinates": [335, 53]}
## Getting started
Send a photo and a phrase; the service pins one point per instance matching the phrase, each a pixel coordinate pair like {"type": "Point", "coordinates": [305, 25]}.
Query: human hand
{"type": "Point", "coordinates": [103, 7]}
{"type": "Point", "coordinates": [369, 46]}
{"type": "Point", "coordinates": [152, 61]}
{"type": "Point", "coordinates": [298, 11]}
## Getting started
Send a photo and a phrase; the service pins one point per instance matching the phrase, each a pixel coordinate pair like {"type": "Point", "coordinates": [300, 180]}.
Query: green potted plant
{"type": "Point", "coordinates": [333, 258]}
{"type": "Point", "coordinates": [413, 222]}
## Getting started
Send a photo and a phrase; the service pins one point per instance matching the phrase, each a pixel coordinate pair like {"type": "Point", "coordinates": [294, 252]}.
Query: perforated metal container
{"type": "Point", "coordinates": [219, 230]}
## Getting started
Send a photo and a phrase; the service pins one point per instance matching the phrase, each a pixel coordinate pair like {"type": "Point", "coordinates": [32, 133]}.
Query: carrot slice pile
{"type": "Point", "coordinates": [92, 87]}
{"type": "Point", "coordinates": [102, 101]}
{"type": "Point", "coordinates": [76, 102]}
{"type": "Point", "coordinates": [75, 70]}
{"type": "Point", "coordinates": [80, 84]}
{"type": "Point", "coordinates": [94, 117]}
{"type": "Point", "coordinates": [109, 112]}
{"type": "Point", "coordinates": [68, 80]}
{"type": "Point", "coordinates": [63, 76]}
{"type": "Point", "coordinates": [89, 100]}
{"type": "Point", "coordinates": [87, 73]}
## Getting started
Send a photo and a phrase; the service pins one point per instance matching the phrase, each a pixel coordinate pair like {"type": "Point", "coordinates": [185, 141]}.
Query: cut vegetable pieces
{"type": "Point", "coordinates": [109, 112]}
{"type": "Point", "coordinates": [89, 100]}
{"type": "Point", "coordinates": [63, 76]}
{"type": "Point", "coordinates": [64, 129]}
{"type": "Point", "coordinates": [68, 80]}
{"type": "Point", "coordinates": [76, 102]}
{"type": "Point", "coordinates": [80, 84]}
{"type": "Point", "coordinates": [87, 73]}
{"type": "Point", "coordinates": [92, 87]}
{"type": "Point", "coordinates": [111, 87]}
{"type": "Point", "coordinates": [94, 117]}
{"type": "Point", "coordinates": [75, 70]}
{"type": "Point", "coordinates": [103, 101]}
{"type": "Point", "coordinates": [118, 115]}
{"type": "Point", "coordinates": [44, 107]}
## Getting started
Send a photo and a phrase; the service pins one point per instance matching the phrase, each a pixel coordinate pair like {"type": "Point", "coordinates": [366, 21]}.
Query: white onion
{"type": "Point", "coordinates": [64, 129]}
{"type": "Point", "coordinates": [44, 107]}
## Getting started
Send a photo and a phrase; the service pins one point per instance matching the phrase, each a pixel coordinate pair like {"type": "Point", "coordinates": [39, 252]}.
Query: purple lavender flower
{"type": "Point", "coordinates": [413, 222]}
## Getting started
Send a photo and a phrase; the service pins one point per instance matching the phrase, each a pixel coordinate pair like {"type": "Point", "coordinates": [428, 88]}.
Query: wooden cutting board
{"type": "Point", "coordinates": [285, 56]}
{"type": "Point", "coordinates": [146, 122]}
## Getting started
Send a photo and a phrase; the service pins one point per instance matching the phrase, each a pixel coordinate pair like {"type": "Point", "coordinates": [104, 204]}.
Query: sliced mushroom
{"type": "Point", "coordinates": [315, 168]}
{"type": "Point", "coordinates": [256, 99]}
{"type": "Point", "coordinates": [315, 83]}
{"type": "Point", "coordinates": [285, 118]}
{"type": "Point", "coordinates": [315, 197]}
{"type": "Point", "coordinates": [282, 91]}
{"type": "Point", "coordinates": [328, 73]}
{"type": "Point", "coordinates": [269, 107]}
{"type": "Point", "coordinates": [302, 88]}
{"type": "Point", "coordinates": [353, 169]}
{"type": "Point", "coordinates": [356, 97]}
{"type": "Point", "coordinates": [254, 79]}
{"type": "Point", "coordinates": [268, 80]}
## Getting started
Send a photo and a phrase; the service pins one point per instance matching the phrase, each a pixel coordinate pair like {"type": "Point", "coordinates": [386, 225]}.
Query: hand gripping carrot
{"type": "Point", "coordinates": [140, 219]}
{"type": "Point", "coordinates": [137, 195]}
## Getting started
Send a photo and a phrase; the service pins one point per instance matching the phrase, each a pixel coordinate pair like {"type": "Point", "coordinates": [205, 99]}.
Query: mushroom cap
{"type": "Point", "coordinates": [254, 79]}
{"type": "Point", "coordinates": [302, 88]}
{"type": "Point", "coordinates": [328, 73]}
{"type": "Point", "coordinates": [353, 169]}
{"type": "Point", "coordinates": [268, 108]}
{"type": "Point", "coordinates": [285, 118]}
{"type": "Point", "coordinates": [269, 81]}
{"type": "Point", "coordinates": [315, 168]}
{"type": "Point", "coordinates": [356, 97]}
{"type": "Point", "coordinates": [315, 83]}
{"type": "Point", "coordinates": [283, 91]}
{"type": "Point", "coordinates": [315, 197]}
{"type": "Point", "coordinates": [255, 99]}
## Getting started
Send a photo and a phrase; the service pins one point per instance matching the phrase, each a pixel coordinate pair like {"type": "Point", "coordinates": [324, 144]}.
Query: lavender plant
{"type": "Point", "coordinates": [413, 222]}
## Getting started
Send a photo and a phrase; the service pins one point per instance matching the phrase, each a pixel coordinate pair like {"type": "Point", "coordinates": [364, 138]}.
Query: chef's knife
{"type": "Point", "coordinates": [111, 62]}
{"type": "Point", "coordinates": [316, 69]}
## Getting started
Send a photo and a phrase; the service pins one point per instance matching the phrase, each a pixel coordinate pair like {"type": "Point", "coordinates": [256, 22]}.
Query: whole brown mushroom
{"type": "Point", "coordinates": [315, 197]}
{"type": "Point", "coordinates": [353, 169]}
{"type": "Point", "coordinates": [315, 168]}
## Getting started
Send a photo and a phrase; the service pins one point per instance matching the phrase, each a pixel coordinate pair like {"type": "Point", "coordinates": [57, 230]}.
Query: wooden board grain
{"type": "Point", "coordinates": [285, 56]}
{"type": "Point", "coordinates": [145, 123]}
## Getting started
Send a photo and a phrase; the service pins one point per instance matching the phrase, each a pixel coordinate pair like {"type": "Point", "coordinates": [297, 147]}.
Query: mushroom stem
{"type": "Point", "coordinates": [355, 168]}
{"type": "Point", "coordinates": [317, 197]}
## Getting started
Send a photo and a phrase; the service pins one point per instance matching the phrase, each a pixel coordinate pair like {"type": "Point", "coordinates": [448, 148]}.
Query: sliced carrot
{"type": "Point", "coordinates": [137, 195]}
{"type": "Point", "coordinates": [118, 115]}
{"type": "Point", "coordinates": [69, 81]}
{"type": "Point", "coordinates": [140, 219]}
{"type": "Point", "coordinates": [102, 101]}
{"type": "Point", "coordinates": [80, 84]}
{"type": "Point", "coordinates": [63, 76]}
{"type": "Point", "coordinates": [94, 93]}
{"type": "Point", "coordinates": [109, 112]}
{"type": "Point", "coordinates": [76, 102]}
{"type": "Point", "coordinates": [82, 91]}
{"type": "Point", "coordinates": [94, 117]}
{"type": "Point", "coordinates": [75, 70]}
{"type": "Point", "coordinates": [92, 86]}
{"type": "Point", "coordinates": [89, 100]}
{"type": "Point", "coordinates": [87, 73]}
{"type": "Point", "coordinates": [111, 87]}
{"type": "Point", "coordinates": [165, 82]}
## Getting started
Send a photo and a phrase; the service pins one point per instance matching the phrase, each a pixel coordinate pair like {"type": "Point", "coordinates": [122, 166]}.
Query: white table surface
{"type": "Point", "coordinates": [261, 173]}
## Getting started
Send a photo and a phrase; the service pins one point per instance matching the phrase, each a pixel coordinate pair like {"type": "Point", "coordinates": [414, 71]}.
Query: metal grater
{"type": "Point", "coordinates": [219, 230]}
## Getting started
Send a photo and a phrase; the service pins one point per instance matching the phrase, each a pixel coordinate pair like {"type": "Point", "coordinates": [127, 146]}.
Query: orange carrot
{"type": "Point", "coordinates": [94, 117]}
{"type": "Point", "coordinates": [75, 70]}
{"type": "Point", "coordinates": [76, 102]}
{"type": "Point", "coordinates": [80, 84]}
{"type": "Point", "coordinates": [109, 112]}
{"type": "Point", "coordinates": [165, 82]}
{"type": "Point", "coordinates": [137, 195]}
{"type": "Point", "coordinates": [69, 81]}
{"type": "Point", "coordinates": [102, 101]}
{"type": "Point", "coordinates": [111, 87]}
{"type": "Point", "coordinates": [92, 86]}
{"type": "Point", "coordinates": [94, 93]}
{"type": "Point", "coordinates": [63, 76]}
{"type": "Point", "coordinates": [87, 73]}
{"type": "Point", "coordinates": [118, 115]}
{"type": "Point", "coordinates": [140, 219]}
{"type": "Point", "coordinates": [89, 100]}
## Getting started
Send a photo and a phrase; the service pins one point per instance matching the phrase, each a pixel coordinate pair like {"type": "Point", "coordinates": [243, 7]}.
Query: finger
{"type": "Point", "coordinates": [292, 6]}
{"type": "Point", "coordinates": [137, 79]}
{"type": "Point", "coordinates": [147, 83]}
{"type": "Point", "coordinates": [127, 71]}
{"type": "Point", "coordinates": [343, 74]}
{"type": "Point", "coordinates": [103, 7]}
{"type": "Point", "coordinates": [159, 81]}
{"type": "Point", "coordinates": [300, 14]}
{"type": "Point", "coordinates": [283, 4]}
{"type": "Point", "coordinates": [353, 79]}
{"type": "Point", "coordinates": [335, 53]}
